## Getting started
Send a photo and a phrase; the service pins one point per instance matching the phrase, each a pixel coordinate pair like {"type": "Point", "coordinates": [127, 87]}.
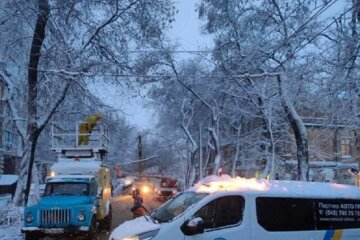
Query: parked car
{"type": "Point", "coordinates": [121, 185]}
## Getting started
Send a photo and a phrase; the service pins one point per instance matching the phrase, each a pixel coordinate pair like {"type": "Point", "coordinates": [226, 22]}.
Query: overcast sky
{"type": "Point", "coordinates": [186, 31]}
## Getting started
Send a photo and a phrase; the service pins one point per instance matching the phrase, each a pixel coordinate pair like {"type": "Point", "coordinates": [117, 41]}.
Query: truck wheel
{"type": "Point", "coordinates": [92, 230]}
{"type": "Point", "coordinates": [31, 236]}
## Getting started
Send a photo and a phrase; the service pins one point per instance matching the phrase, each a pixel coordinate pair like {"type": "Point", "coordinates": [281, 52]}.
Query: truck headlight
{"type": "Point", "coordinates": [81, 217]}
{"type": "Point", "coordinates": [29, 219]}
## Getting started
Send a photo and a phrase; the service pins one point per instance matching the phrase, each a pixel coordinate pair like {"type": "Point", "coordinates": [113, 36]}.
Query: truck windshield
{"type": "Point", "coordinates": [176, 206]}
{"type": "Point", "coordinates": [69, 188]}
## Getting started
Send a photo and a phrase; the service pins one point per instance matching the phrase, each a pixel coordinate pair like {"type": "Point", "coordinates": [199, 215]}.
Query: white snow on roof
{"type": "Point", "coordinates": [62, 177]}
{"type": "Point", "coordinates": [133, 228]}
{"type": "Point", "coordinates": [6, 179]}
{"type": "Point", "coordinates": [70, 166]}
{"type": "Point", "coordinates": [212, 184]}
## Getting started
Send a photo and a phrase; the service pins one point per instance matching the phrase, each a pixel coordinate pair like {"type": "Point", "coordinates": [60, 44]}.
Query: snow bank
{"type": "Point", "coordinates": [11, 232]}
{"type": "Point", "coordinates": [10, 222]}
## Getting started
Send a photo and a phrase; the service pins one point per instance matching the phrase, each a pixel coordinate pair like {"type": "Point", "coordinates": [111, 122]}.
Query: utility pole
{"type": "Point", "coordinates": [140, 155]}
{"type": "Point", "coordinates": [201, 173]}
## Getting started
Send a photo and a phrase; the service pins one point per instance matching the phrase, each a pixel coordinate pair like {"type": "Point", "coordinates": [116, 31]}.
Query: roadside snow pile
{"type": "Point", "coordinates": [10, 216]}
{"type": "Point", "coordinates": [11, 232]}
{"type": "Point", "coordinates": [10, 219]}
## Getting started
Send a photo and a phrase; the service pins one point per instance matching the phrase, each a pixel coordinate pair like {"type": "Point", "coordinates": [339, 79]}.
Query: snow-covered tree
{"type": "Point", "coordinates": [71, 42]}
{"type": "Point", "coordinates": [269, 36]}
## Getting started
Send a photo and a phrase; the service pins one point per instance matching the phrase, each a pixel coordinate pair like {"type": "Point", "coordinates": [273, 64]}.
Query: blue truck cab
{"type": "Point", "coordinates": [70, 206]}
{"type": "Point", "coordinates": [77, 194]}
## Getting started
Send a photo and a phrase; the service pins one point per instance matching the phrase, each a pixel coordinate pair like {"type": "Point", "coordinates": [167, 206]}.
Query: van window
{"type": "Point", "coordinates": [222, 212]}
{"type": "Point", "coordinates": [285, 214]}
{"type": "Point", "coordinates": [176, 206]}
{"type": "Point", "coordinates": [300, 214]}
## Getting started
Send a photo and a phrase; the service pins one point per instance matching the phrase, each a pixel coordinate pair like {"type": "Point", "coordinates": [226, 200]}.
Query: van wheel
{"type": "Point", "coordinates": [31, 236]}
{"type": "Point", "coordinates": [92, 230]}
{"type": "Point", "coordinates": [106, 223]}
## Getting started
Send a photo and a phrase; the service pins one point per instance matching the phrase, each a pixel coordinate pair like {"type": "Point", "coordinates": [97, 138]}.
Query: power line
{"type": "Point", "coordinates": [320, 11]}
{"type": "Point", "coordinates": [170, 51]}
{"type": "Point", "coordinates": [323, 30]}
{"type": "Point", "coordinates": [87, 74]}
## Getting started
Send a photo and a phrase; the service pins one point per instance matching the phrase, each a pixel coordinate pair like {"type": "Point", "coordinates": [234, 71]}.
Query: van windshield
{"type": "Point", "coordinates": [67, 189]}
{"type": "Point", "coordinates": [176, 206]}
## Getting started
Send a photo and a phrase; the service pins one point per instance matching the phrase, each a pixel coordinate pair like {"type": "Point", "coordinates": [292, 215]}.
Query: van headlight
{"type": "Point", "coordinates": [143, 236]}
{"type": "Point", "coordinates": [148, 235]}
{"type": "Point", "coordinates": [81, 217]}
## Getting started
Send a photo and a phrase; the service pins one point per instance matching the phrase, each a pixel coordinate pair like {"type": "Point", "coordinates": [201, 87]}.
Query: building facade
{"type": "Point", "coordinates": [10, 145]}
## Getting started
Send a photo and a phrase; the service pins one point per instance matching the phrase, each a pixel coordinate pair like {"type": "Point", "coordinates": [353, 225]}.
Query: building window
{"type": "Point", "coordinates": [10, 138]}
{"type": "Point", "coordinates": [345, 145]}
{"type": "Point", "coordinates": [1, 92]}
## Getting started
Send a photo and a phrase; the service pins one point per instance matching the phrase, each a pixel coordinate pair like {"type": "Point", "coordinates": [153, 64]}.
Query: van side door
{"type": "Point", "coordinates": [220, 219]}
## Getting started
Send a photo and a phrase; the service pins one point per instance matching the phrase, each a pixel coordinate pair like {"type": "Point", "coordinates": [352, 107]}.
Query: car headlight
{"type": "Point", "coordinates": [146, 189]}
{"type": "Point", "coordinates": [81, 217]}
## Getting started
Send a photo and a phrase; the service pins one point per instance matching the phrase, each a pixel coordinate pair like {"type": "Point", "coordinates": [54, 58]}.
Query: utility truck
{"type": "Point", "coordinates": [76, 199]}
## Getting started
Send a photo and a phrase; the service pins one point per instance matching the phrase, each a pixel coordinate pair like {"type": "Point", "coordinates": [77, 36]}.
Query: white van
{"type": "Point", "coordinates": [225, 208]}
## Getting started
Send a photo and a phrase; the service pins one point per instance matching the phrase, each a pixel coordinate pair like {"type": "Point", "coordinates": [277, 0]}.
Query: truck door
{"type": "Point", "coordinates": [222, 220]}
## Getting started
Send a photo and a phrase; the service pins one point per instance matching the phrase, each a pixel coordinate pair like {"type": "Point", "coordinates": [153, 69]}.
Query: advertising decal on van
{"type": "Point", "coordinates": [333, 234]}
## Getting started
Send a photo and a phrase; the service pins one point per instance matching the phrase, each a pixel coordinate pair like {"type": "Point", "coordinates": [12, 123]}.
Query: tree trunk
{"type": "Point", "coordinates": [299, 131]}
{"type": "Point", "coordinates": [233, 168]}
{"type": "Point", "coordinates": [201, 171]}
{"type": "Point", "coordinates": [27, 161]}
{"type": "Point", "coordinates": [190, 171]}
{"type": "Point", "coordinates": [190, 168]}
{"type": "Point", "coordinates": [217, 160]}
